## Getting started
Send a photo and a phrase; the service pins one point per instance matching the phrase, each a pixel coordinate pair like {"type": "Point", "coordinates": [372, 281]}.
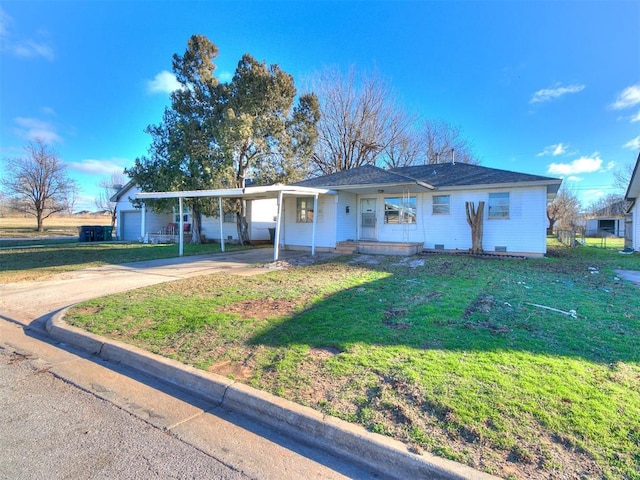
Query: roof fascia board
{"type": "Point", "coordinates": [633, 190]}
{"type": "Point", "coordinates": [484, 186]}
{"type": "Point", "coordinates": [237, 192]}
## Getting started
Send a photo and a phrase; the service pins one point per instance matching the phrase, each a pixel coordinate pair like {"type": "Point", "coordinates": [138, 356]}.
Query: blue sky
{"type": "Point", "coordinates": [543, 87]}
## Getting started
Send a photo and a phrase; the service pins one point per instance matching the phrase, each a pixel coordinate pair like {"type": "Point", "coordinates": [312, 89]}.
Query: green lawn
{"type": "Point", "coordinates": [450, 353]}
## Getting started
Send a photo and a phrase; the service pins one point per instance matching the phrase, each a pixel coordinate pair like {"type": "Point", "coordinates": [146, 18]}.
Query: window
{"type": "Point", "coordinates": [229, 217]}
{"type": "Point", "coordinates": [400, 210]}
{"type": "Point", "coordinates": [185, 215]}
{"type": "Point", "coordinates": [499, 205]}
{"type": "Point", "coordinates": [304, 210]}
{"type": "Point", "coordinates": [441, 204]}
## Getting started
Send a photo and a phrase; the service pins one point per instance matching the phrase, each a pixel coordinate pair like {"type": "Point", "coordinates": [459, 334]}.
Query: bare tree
{"type": "Point", "coordinates": [444, 143]}
{"type": "Point", "coordinates": [622, 177]}
{"type": "Point", "coordinates": [612, 204]}
{"type": "Point", "coordinates": [475, 221]}
{"type": "Point", "coordinates": [359, 120]}
{"type": "Point", "coordinates": [38, 184]}
{"type": "Point", "coordinates": [564, 211]}
{"type": "Point", "coordinates": [108, 187]}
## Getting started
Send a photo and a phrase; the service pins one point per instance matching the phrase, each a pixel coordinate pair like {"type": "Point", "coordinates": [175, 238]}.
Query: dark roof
{"type": "Point", "coordinates": [365, 175]}
{"type": "Point", "coordinates": [438, 175]}
{"type": "Point", "coordinates": [617, 209]}
{"type": "Point", "coordinates": [462, 174]}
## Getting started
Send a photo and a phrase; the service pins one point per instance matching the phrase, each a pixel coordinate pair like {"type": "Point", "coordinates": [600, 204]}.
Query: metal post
{"type": "Point", "coordinates": [315, 221]}
{"type": "Point", "coordinates": [276, 239]}
{"type": "Point", "coordinates": [221, 223]}
{"type": "Point", "coordinates": [181, 229]}
{"type": "Point", "coordinates": [143, 221]}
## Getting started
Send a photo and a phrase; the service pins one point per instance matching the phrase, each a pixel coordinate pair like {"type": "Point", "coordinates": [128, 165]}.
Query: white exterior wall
{"type": "Point", "coordinates": [299, 234]}
{"type": "Point", "coordinates": [635, 225]}
{"type": "Point", "coordinates": [347, 223]}
{"type": "Point", "coordinates": [261, 216]}
{"type": "Point", "coordinates": [523, 232]}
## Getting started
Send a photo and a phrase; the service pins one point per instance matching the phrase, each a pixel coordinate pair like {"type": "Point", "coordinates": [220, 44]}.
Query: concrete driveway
{"type": "Point", "coordinates": [25, 302]}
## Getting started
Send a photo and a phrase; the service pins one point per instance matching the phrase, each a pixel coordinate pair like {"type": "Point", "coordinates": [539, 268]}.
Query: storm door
{"type": "Point", "coordinates": [368, 222]}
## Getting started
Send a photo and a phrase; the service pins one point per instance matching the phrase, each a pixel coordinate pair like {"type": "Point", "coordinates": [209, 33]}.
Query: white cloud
{"type": "Point", "coordinates": [553, 150]}
{"type": "Point", "coordinates": [573, 178]}
{"type": "Point", "coordinates": [23, 47]}
{"type": "Point", "coordinates": [99, 167]}
{"type": "Point", "coordinates": [163, 82]}
{"type": "Point", "coordinates": [547, 94]}
{"type": "Point", "coordinates": [633, 144]}
{"type": "Point", "coordinates": [580, 165]}
{"type": "Point", "coordinates": [629, 97]}
{"type": "Point", "coordinates": [32, 48]}
{"type": "Point", "coordinates": [33, 128]}
{"type": "Point", "coordinates": [636, 117]}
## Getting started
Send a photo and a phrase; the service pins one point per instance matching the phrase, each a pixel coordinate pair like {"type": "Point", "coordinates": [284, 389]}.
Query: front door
{"type": "Point", "coordinates": [368, 219]}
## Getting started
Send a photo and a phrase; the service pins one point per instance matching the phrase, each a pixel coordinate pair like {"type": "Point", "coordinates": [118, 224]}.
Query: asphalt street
{"type": "Point", "coordinates": [67, 414]}
{"type": "Point", "coordinates": [51, 429]}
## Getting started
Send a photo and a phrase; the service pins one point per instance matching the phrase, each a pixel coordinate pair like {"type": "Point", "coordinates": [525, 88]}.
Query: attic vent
{"type": "Point", "coordinates": [439, 246]}
{"type": "Point", "coordinates": [501, 249]}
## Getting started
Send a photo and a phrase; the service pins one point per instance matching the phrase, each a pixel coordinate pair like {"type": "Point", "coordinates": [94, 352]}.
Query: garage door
{"type": "Point", "coordinates": [130, 227]}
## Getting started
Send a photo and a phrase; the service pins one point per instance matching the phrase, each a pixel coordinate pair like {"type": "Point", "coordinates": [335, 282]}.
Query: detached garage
{"type": "Point", "coordinates": [129, 227]}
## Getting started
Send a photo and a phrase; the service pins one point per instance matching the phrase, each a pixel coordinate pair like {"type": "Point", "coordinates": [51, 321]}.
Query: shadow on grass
{"type": "Point", "coordinates": [471, 306]}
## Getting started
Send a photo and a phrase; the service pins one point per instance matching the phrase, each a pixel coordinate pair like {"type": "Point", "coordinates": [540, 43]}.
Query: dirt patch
{"type": "Point", "coordinates": [262, 308]}
{"type": "Point", "coordinates": [238, 371]}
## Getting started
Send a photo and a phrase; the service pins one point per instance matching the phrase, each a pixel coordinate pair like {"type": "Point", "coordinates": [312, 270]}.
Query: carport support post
{"type": "Point", "coordinates": [143, 222]}
{"type": "Point", "coordinates": [220, 218]}
{"type": "Point", "coordinates": [315, 221]}
{"type": "Point", "coordinates": [181, 227]}
{"type": "Point", "coordinates": [276, 239]}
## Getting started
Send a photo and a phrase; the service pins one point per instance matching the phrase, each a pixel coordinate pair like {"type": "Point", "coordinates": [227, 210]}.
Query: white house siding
{"type": "Point", "coordinates": [210, 228]}
{"type": "Point", "coordinates": [347, 226]}
{"type": "Point", "coordinates": [523, 232]}
{"type": "Point", "coordinates": [299, 234]}
{"type": "Point", "coordinates": [260, 215]}
{"type": "Point", "coordinates": [635, 225]}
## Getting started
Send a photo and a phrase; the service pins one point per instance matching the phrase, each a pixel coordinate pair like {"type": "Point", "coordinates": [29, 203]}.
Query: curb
{"type": "Point", "coordinates": [354, 443]}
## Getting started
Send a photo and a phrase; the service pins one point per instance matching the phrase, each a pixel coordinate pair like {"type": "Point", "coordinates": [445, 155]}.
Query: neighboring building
{"type": "Point", "coordinates": [608, 221]}
{"type": "Point", "coordinates": [141, 224]}
{"type": "Point", "coordinates": [632, 229]}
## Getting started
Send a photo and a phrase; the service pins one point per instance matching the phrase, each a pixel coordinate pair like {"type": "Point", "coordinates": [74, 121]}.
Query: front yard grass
{"type": "Point", "coordinates": [453, 355]}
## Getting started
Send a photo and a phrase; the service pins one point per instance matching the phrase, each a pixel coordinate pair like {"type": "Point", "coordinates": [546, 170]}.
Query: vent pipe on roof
{"type": "Point", "coordinates": [453, 156]}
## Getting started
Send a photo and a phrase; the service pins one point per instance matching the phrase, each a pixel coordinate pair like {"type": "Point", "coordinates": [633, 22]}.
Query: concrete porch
{"type": "Point", "coordinates": [379, 248]}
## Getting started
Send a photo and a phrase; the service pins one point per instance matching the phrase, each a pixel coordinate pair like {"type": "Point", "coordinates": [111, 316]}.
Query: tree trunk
{"type": "Point", "coordinates": [196, 225]}
{"type": "Point", "coordinates": [475, 221]}
{"type": "Point", "coordinates": [242, 224]}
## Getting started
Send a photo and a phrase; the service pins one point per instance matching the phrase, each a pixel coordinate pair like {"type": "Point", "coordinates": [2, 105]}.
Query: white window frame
{"type": "Point", "coordinates": [304, 209]}
{"type": "Point", "coordinates": [499, 205]}
{"type": "Point", "coordinates": [403, 213]}
{"type": "Point", "coordinates": [441, 208]}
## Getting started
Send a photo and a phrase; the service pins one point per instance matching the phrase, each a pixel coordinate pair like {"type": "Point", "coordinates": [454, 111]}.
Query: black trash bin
{"type": "Point", "coordinates": [272, 235]}
{"type": "Point", "coordinates": [86, 234]}
{"type": "Point", "coordinates": [98, 233]}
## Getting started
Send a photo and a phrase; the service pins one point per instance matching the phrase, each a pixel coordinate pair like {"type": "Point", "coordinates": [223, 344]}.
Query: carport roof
{"type": "Point", "coordinates": [251, 193]}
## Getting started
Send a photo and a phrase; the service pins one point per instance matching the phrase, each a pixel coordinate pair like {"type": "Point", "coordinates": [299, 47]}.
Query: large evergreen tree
{"type": "Point", "coordinates": [222, 134]}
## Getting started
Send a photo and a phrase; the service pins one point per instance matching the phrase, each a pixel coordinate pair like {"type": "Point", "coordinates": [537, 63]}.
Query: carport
{"type": "Point", "coordinates": [248, 193]}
